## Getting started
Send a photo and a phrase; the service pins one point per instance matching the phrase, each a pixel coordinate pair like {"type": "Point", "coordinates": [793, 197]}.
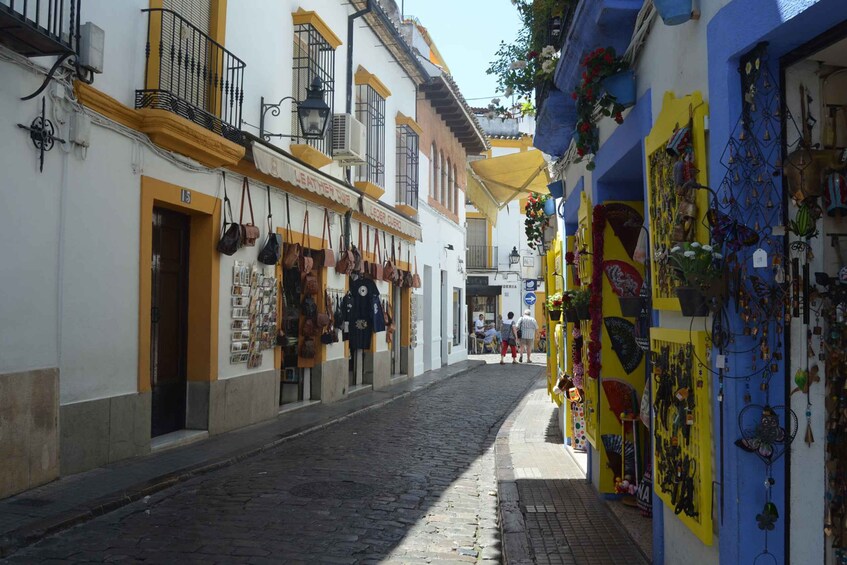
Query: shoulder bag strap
{"type": "Point", "coordinates": [361, 249]}
{"type": "Point", "coordinates": [270, 214]}
{"type": "Point", "coordinates": [227, 204]}
{"type": "Point", "coordinates": [245, 187]}
{"type": "Point", "coordinates": [287, 220]}
{"type": "Point", "coordinates": [323, 230]}
{"type": "Point", "coordinates": [305, 241]}
{"type": "Point", "coordinates": [368, 243]}
{"type": "Point", "coordinates": [328, 229]}
{"type": "Point", "coordinates": [377, 250]}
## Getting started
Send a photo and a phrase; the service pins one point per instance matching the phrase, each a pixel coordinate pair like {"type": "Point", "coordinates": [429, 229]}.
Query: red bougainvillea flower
{"type": "Point", "coordinates": [569, 258]}
{"type": "Point", "coordinates": [574, 95]}
{"type": "Point", "coordinates": [532, 55]}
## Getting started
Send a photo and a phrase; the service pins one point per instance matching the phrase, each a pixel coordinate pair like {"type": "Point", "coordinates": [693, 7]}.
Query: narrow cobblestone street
{"type": "Point", "coordinates": [410, 482]}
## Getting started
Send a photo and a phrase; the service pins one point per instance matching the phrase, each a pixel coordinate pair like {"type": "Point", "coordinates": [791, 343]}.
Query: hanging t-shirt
{"type": "Point", "coordinates": [366, 315]}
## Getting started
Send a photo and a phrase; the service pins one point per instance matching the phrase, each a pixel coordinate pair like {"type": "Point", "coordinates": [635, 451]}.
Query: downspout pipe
{"type": "Point", "coordinates": [348, 108]}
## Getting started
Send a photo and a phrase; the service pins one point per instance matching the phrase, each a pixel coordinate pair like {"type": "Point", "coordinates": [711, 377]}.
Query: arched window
{"type": "Point", "coordinates": [443, 164]}
{"type": "Point", "coordinates": [433, 173]}
{"type": "Point", "coordinates": [451, 185]}
{"type": "Point", "coordinates": [455, 190]}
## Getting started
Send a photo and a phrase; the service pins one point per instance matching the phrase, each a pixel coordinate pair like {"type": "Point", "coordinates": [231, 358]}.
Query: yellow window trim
{"type": "Point", "coordinates": [363, 77]}
{"type": "Point", "coordinates": [310, 155]}
{"type": "Point", "coordinates": [203, 278]}
{"type": "Point", "coordinates": [406, 209]}
{"type": "Point", "coordinates": [404, 120]}
{"type": "Point", "coordinates": [369, 188]}
{"type": "Point", "coordinates": [304, 17]}
{"type": "Point", "coordinates": [168, 130]}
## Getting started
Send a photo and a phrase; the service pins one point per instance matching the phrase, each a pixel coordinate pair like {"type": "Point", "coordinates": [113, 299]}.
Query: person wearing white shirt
{"type": "Point", "coordinates": [527, 326]}
{"type": "Point", "coordinates": [479, 326]}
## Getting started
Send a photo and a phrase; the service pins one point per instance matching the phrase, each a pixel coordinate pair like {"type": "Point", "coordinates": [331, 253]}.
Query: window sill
{"type": "Point", "coordinates": [406, 209]}
{"type": "Point", "coordinates": [309, 155]}
{"type": "Point", "coordinates": [371, 189]}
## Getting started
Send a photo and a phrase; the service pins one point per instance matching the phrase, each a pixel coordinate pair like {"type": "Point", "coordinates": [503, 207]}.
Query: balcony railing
{"type": "Point", "coordinates": [36, 28]}
{"type": "Point", "coordinates": [190, 74]}
{"type": "Point", "coordinates": [482, 257]}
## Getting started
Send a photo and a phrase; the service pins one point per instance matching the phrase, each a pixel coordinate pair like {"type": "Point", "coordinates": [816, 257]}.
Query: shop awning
{"type": "Point", "coordinates": [490, 290]}
{"type": "Point", "coordinates": [512, 176]}
{"type": "Point", "coordinates": [481, 198]}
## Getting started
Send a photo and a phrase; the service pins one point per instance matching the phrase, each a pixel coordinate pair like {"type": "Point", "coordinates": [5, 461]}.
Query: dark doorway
{"type": "Point", "coordinates": [169, 320]}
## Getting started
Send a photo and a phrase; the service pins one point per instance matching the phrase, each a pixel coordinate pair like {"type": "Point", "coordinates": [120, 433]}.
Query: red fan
{"type": "Point", "coordinates": [624, 278]}
{"type": "Point", "coordinates": [621, 396]}
{"type": "Point", "coordinates": [626, 223]}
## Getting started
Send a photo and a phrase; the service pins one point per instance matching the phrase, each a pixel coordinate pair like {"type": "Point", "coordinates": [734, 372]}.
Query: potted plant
{"type": "Point", "coordinates": [555, 304]}
{"type": "Point", "coordinates": [674, 12]}
{"type": "Point", "coordinates": [606, 89]}
{"type": "Point", "coordinates": [630, 306]}
{"type": "Point", "coordinates": [579, 300]}
{"type": "Point", "coordinates": [698, 268]}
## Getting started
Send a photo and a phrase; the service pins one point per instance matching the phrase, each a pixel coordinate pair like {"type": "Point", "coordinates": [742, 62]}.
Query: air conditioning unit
{"type": "Point", "coordinates": [348, 140]}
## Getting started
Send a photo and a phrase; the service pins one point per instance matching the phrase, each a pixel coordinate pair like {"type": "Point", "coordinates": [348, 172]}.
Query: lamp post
{"type": "Point", "coordinates": [312, 113]}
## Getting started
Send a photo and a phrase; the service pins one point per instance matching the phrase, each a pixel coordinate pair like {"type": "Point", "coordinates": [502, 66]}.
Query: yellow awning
{"type": "Point", "coordinates": [482, 199]}
{"type": "Point", "coordinates": [512, 176]}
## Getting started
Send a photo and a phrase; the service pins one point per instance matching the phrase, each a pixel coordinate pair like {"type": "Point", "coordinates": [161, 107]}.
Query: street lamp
{"type": "Point", "coordinates": [312, 113]}
{"type": "Point", "coordinates": [514, 256]}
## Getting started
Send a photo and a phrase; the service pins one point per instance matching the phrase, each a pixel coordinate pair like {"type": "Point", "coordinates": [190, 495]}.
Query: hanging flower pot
{"type": "Point", "coordinates": [555, 315]}
{"type": "Point", "coordinates": [582, 312]}
{"type": "Point", "coordinates": [674, 12]}
{"type": "Point", "coordinates": [556, 188]}
{"type": "Point", "coordinates": [621, 85]}
{"type": "Point", "coordinates": [549, 207]}
{"type": "Point", "coordinates": [692, 301]}
{"type": "Point", "coordinates": [571, 316]}
{"type": "Point", "coordinates": [630, 306]}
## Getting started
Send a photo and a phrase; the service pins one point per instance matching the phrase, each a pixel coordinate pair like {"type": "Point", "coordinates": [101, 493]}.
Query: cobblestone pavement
{"type": "Point", "coordinates": [551, 514]}
{"type": "Point", "coordinates": [410, 482]}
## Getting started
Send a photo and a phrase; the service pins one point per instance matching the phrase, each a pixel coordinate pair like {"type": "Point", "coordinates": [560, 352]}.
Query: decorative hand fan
{"type": "Point", "coordinates": [626, 223]}
{"type": "Point", "coordinates": [613, 443]}
{"type": "Point", "coordinates": [624, 278]}
{"type": "Point", "coordinates": [622, 397]}
{"type": "Point", "coordinates": [622, 333]}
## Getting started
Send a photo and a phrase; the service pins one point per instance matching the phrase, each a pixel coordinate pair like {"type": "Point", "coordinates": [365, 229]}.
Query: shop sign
{"type": "Point", "coordinates": [391, 219]}
{"type": "Point", "coordinates": [530, 284]}
{"type": "Point", "coordinates": [285, 168]}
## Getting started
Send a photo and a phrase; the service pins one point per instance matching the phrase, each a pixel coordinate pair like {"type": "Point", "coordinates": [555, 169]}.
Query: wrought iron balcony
{"type": "Point", "coordinates": [482, 257]}
{"type": "Point", "coordinates": [36, 28]}
{"type": "Point", "coordinates": [190, 74]}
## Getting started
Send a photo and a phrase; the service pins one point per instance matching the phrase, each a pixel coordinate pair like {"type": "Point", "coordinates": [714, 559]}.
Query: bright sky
{"type": "Point", "coordinates": [468, 38]}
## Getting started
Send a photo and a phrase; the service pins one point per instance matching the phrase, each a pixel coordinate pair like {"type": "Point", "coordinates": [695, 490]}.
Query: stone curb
{"type": "Point", "coordinates": [35, 531]}
{"type": "Point", "coordinates": [516, 547]}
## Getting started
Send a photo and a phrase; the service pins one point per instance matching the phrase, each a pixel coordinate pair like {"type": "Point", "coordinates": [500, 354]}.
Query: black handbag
{"type": "Point", "coordinates": [272, 250]}
{"type": "Point", "coordinates": [310, 308]}
{"type": "Point", "coordinates": [230, 231]}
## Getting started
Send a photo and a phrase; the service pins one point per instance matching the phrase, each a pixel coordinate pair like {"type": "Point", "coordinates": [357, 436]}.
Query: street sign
{"type": "Point", "coordinates": [530, 284]}
{"type": "Point", "coordinates": [529, 298]}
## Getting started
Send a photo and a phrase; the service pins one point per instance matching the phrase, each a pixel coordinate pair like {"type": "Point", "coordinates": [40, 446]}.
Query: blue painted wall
{"type": "Point", "coordinates": [735, 29]}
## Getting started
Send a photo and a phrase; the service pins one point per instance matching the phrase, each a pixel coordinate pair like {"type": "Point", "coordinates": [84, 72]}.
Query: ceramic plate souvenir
{"type": "Point", "coordinates": [626, 223]}
{"type": "Point", "coordinates": [621, 331]}
{"type": "Point", "coordinates": [621, 396]}
{"type": "Point", "coordinates": [624, 278]}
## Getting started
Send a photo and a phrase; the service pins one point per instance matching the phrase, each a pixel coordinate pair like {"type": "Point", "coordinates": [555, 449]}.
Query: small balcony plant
{"type": "Point", "coordinates": [607, 87]}
{"type": "Point", "coordinates": [557, 302]}
{"type": "Point", "coordinates": [699, 269]}
{"type": "Point", "coordinates": [579, 302]}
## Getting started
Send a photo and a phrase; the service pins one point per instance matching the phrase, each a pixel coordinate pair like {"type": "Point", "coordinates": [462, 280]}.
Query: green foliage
{"type": "Point", "coordinates": [535, 219]}
{"type": "Point", "coordinates": [696, 265]}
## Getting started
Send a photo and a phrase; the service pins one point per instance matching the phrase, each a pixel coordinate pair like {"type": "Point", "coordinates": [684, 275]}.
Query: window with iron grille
{"type": "Point", "coordinates": [433, 173]}
{"type": "Point", "coordinates": [370, 110]}
{"type": "Point", "coordinates": [313, 57]}
{"type": "Point", "coordinates": [407, 166]}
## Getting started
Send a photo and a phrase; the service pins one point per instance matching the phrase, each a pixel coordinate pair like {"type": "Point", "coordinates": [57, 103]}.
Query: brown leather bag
{"type": "Point", "coordinates": [250, 231]}
{"type": "Point", "coordinates": [308, 349]}
{"type": "Point", "coordinates": [416, 278]}
{"type": "Point", "coordinates": [292, 249]}
{"type": "Point", "coordinates": [310, 328]}
{"type": "Point", "coordinates": [324, 318]}
{"type": "Point", "coordinates": [376, 265]}
{"type": "Point", "coordinates": [366, 263]}
{"type": "Point", "coordinates": [325, 258]}
{"type": "Point", "coordinates": [388, 269]}
{"type": "Point", "coordinates": [310, 284]}
{"type": "Point", "coordinates": [306, 261]}
{"type": "Point", "coordinates": [344, 266]}
{"type": "Point", "coordinates": [358, 261]}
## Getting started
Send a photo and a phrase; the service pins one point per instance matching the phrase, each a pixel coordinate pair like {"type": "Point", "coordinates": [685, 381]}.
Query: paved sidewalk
{"type": "Point", "coordinates": [549, 513]}
{"type": "Point", "coordinates": [32, 515]}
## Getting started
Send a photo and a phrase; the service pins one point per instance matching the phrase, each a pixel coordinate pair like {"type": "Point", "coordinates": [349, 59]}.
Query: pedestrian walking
{"type": "Point", "coordinates": [509, 338]}
{"type": "Point", "coordinates": [527, 326]}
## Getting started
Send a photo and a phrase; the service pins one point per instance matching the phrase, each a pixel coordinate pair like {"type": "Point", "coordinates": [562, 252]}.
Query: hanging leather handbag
{"type": "Point", "coordinates": [250, 231]}
{"type": "Point", "coordinates": [388, 270]}
{"type": "Point", "coordinates": [407, 275]}
{"type": "Point", "coordinates": [325, 258]}
{"type": "Point", "coordinates": [308, 349]}
{"type": "Point", "coordinates": [309, 328]}
{"type": "Point", "coordinates": [344, 265]}
{"type": "Point", "coordinates": [230, 231]}
{"type": "Point", "coordinates": [306, 261]}
{"type": "Point", "coordinates": [272, 250]}
{"type": "Point", "coordinates": [366, 262]}
{"type": "Point", "coordinates": [292, 250]}
{"type": "Point", "coordinates": [376, 265]}
{"type": "Point", "coordinates": [310, 284]}
{"type": "Point", "coordinates": [324, 318]}
{"type": "Point", "coordinates": [416, 278]}
{"type": "Point", "coordinates": [310, 308]}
